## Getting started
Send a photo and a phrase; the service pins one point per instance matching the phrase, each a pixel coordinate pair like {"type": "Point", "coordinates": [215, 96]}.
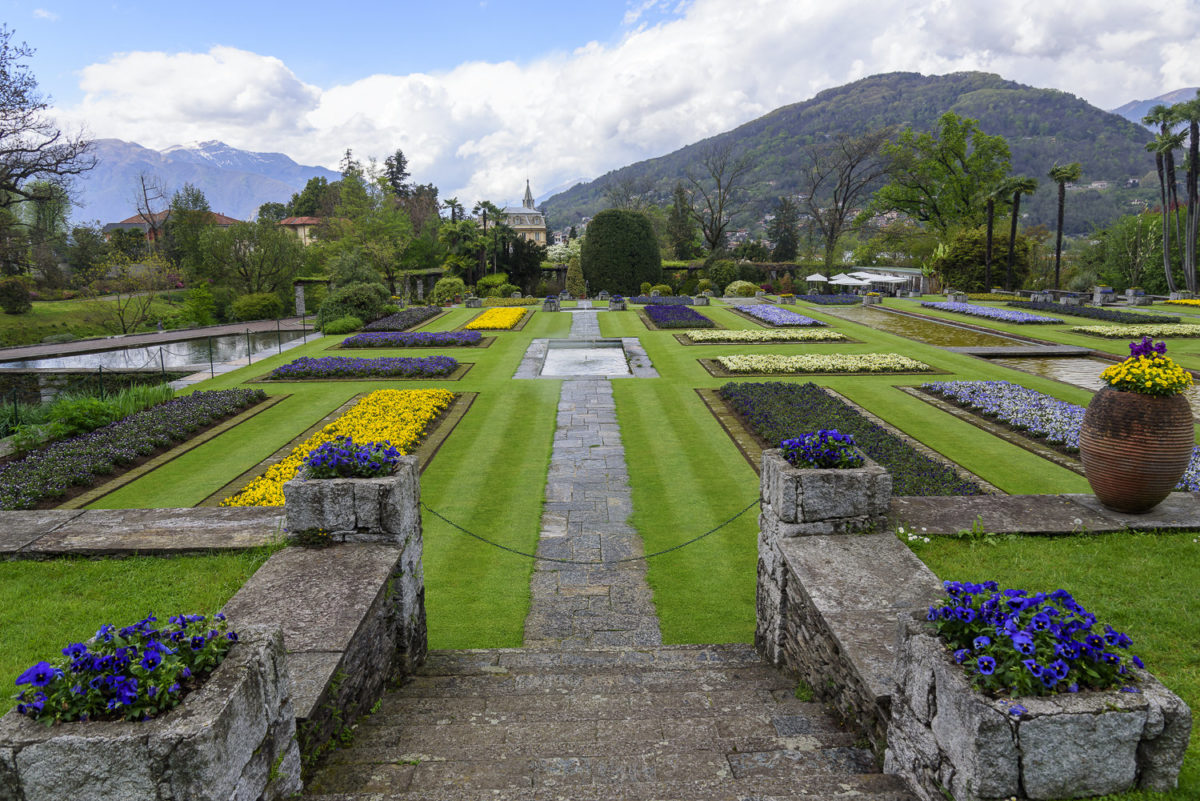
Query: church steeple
{"type": "Point", "coordinates": [528, 201]}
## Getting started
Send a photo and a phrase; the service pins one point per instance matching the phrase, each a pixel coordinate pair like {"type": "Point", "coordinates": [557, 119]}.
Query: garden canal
{"type": "Point", "coordinates": [1079, 371]}
{"type": "Point", "coordinates": [181, 354]}
{"type": "Point", "coordinates": [930, 332]}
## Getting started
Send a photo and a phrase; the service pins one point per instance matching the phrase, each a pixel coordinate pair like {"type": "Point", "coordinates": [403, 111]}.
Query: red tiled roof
{"type": "Point", "coordinates": [301, 221]}
{"type": "Point", "coordinates": [160, 217]}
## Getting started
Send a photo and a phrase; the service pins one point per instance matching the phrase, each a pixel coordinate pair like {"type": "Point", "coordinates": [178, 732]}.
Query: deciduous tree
{"type": "Point", "coordinates": [715, 185]}
{"type": "Point", "coordinates": [835, 179]}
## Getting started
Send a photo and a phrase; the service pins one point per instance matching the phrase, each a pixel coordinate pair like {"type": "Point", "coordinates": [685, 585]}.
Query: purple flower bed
{"type": "Point", "coordinates": [992, 313]}
{"type": "Point", "coordinates": [308, 367]}
{"type": "Point", "coordinates": [51, 471]}
{"type": "Point", "coordinates": [667, 300]}
{"type": "Point", "coordinates": [1097, 313]}
{"type": "Point", "coordinates": [773, 315]}
{"type": "Point", "coordinates": [413, 339]}
{"type": "Point", "coordinates": [677, 317]}
{"type": "Point", "coordinates": [1034, 413]}
{"type": "Point", "coordinates": [404, 319]}
{"type": "Point", "coordinates": [831, 300]}
{"type": "Point", "coordinates": [777, 411]}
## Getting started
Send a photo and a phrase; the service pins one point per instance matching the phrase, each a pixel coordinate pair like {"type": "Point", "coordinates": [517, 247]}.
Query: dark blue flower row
{"type": "Point", "coordinates": [665, 300]}
{"type": "Point", "coordinates": [308, 367]}
{"type": "Point", "coordinates": [1097, 313]}
{"type": "Point", "coordinates": [132, 673]}
{"type": "Point", "coordinates": [677, 317]}
{"type": "Point", "coordinates": [404, 319]}
{"type": "Point", "coordinates": [50, 471]}
{"type": "Point", "coordinates": [831, 300]}
{"type": "Point", "coordinates": [1018, 644]}
{"type": "Point", "coordinates": [777, 411]}
{"type": "Point", "coordinates": [413, 339]}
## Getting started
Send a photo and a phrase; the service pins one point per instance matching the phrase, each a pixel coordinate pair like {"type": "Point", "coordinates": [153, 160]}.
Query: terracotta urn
{"type": "Point", "coordinates": [1135, 447]}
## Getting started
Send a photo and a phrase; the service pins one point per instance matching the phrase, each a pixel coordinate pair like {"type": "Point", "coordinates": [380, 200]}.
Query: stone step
{"type": "Point", "coordinates": [673, 722]}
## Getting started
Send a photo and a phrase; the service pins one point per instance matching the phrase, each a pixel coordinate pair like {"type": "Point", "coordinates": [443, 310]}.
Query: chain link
{"type": "Point", "coordinates": [714, 530]}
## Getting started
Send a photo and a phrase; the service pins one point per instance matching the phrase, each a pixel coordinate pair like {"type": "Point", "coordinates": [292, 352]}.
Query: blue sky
{"type": "Point", "coordinates": [481, 95]}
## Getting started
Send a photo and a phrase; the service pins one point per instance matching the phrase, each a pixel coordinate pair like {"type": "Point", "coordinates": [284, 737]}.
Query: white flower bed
{"type": "Point", "coordinates": [1157, 331]}
{"type": "Point", "coordinates": [823, 363]}
{"type": "Point", "coordinates": [761, 335]}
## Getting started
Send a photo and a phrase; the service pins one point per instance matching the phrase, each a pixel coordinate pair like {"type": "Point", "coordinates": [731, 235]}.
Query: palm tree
{"type": "Point", "coordinates": [1163, 146]}
{"type": "Point", "coordinates": [998, 192]}
{"type": "Point", "coordinates": [1167, 119]}
{"type": "Point", "coordinates": [1062, 175]}
{"type": "Point", "coordinates": [455, 207]}
{"type": "Point", "coordinates": [1018, 185]}
{"type": "Point", "coordinates": [1189, 112]}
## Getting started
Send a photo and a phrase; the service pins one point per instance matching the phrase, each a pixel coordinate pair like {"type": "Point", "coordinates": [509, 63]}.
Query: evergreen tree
{"type": "Point", "coordinates": [784, 230]}
{"type": "Point", "coordinates": [681, 230]}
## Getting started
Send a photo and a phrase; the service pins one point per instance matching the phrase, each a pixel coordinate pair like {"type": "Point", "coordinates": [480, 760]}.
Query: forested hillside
{"type": "Point", "coordinates": [1042, 126]}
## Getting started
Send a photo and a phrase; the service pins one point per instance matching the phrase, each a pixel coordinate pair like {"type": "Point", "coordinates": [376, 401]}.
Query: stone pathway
{"type": "Point", "coordinates": [588, 503]}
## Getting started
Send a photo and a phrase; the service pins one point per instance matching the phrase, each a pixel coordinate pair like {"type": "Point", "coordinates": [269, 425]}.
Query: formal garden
{"type": "Point", "coordinates": [731, 380]}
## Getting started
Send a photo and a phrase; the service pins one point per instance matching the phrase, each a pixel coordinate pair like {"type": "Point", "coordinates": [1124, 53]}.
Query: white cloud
{"type": "Point", "coordinates": [480, 129]}
{"type": "Point", "coordinates": [41, 13]}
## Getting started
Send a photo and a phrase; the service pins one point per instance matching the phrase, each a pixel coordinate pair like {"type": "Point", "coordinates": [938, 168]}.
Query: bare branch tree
{"type": "Point", "coordinates": [629, 192]}
{"type": "Point", "coordinates": [31, 146]}
{"type": "Point", "coordinates": [150, 200]}
{"type": "Point", "coordinates": [836, 176]}
{"type": "Point", "coordinates": [714, 188]}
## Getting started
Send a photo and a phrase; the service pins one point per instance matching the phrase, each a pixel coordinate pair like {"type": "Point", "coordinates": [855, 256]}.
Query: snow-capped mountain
{"type": "Point", "coordinates": [235, 182]}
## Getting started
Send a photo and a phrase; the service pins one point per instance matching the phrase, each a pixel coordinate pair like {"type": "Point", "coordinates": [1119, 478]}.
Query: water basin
{"type": "Point", "coordinates": [585, 357]}
{"type": "Point", "coordinates": [1081, 371]}
{"type": "Point", "coordinates": [190, 353]}
{"type": "Point", "coordinates": [941, 334]}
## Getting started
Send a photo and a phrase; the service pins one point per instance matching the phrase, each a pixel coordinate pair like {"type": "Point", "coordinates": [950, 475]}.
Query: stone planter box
{"type": "Point", "coordinates": [1139, 300]}
{"type": "Point", "coordinates": [1071, 300]}
{"type": "Point", "coordinates": [233, 738]}
{"type": "Point", "coordinates": [798, 502]}
{"type": "Point", "coordinates": [787, 300]}
{"type": "Point", "coordinates": [617, 305]}
{"type": "Point", "coordinates": [945, 735]}
{"type": "Point", "coordinates": [1042, 297]}
{"type": "Point", "coordinates": [603, 295]}
{"type": "Point", "coordinates": [474, 303]}
{"type": "Point", "coordinates": [872, 300]}
{"type": "Point", "coordinates": [1182, 295]}
{"type": "Point", "coordinates": [550, 304]}
{"type": "Point", "coordinates": [700, 300]}
{"type": "Point", "coordinates": [708, 293]}
{"type": "Point", "coordinates": [956, 297]}
{"type": "Point", "coordinates": [357, 509]}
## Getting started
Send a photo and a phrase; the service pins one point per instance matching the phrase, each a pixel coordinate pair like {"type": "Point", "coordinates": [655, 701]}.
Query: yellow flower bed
{"type": "Point", "coordinates": [1149, 376]}
{"type": "Point", "coordinates": [498, 319]}
{"type": "Point", "coordinates": [1184, 302]}
{"type": "Point", "coordinates": [511, 301]}
{"type": "Point", "coordinates": [398, 415]}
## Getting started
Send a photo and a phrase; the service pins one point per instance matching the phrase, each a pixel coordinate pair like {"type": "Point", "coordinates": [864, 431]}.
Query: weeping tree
{"type": "Point", "coordinates": [1062, 175]}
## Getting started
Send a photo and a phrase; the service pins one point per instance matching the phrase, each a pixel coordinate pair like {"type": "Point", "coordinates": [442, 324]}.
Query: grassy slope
{"type": "Point", "coordinates": [1142, 584]}
{"type": "Point", "coordinates": [44, 606]}
{"type": "Point", "coordinates": [80, 318]}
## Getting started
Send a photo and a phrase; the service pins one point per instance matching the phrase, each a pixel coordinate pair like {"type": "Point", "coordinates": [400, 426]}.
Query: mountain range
{"type": "Point", "coordinates": [235, 182]}
{"type": "Point", "coordinates": [1135, 110]}
{"type": "Point", "coordinates": [1042, 126]}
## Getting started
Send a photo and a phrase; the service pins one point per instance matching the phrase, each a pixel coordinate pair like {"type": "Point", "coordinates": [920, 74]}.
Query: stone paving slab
{"type": "Point", "coordinates": [1038, 514]}
{"type": "Point", "coordinates": [20, 528]}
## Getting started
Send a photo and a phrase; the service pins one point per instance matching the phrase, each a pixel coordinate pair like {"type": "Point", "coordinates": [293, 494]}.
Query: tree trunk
{"type": "Point", "coordinates": [1172, 202]}
{"type": "Point", "coordinates": [1062, 203]}
{"type": "Point", "coordinates": [1193, 213]}
{"type": "Point", "coordinates": [1012, 241]}
{"type": "Point", "coordinates": [1159, 163]}
{"type": "Point", "coordinates": [987, 251]}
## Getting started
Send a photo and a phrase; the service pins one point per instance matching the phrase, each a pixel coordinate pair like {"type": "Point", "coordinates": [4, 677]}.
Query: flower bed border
{"type": "Point", "coordinates": [462, 369]}
{"type": "Point", "coordinates": [683, 340]}
{"type": "Point", "coordinates": [98, 491]}
{"type": "Point", "coordinates": [717, 371]}
{"type": "Point", "coordinates": [529, 312]}
{"type": "Point", "coordinates": [1078, 329]}
{"type": "Point", "coordinates": [435, 435]}
{"type": "Point", "coordinates": [751, 445]}
{"type": "Point", "coordinates": [764, 324]}
{"type": "Point", "coordinates": [650, 326]}
{"type": "Point", "coordinates": [485, 342]}
{"type": "Point", "coordinates": [414, 326]}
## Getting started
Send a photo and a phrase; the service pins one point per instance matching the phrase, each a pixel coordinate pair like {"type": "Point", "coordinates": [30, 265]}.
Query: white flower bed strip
{"type": "Point", "coordinates": [823, 363]}
{"type": "Point", "coordinates": [1157, 331]}
{"type": "Point", "coordinates": [760, 335]}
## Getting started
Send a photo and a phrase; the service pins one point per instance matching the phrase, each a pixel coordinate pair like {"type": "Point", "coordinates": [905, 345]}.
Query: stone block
{"type": "Point", "coordinates": [357, 509]}
{"type": "Point", "coordinates": [220, 743]}
{"type": "Point", "coordinates": [617, 305]}
{"type": "Point", "coordinates": [474, 303]}
{"type": "Point", "coordinates": [841, 501]}
{"type": "Point", "coordinates": [943, 734]}
{"type": "Point", "coordinates": [700, 300]}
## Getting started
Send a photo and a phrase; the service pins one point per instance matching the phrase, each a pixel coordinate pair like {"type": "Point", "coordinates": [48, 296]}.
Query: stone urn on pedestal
{"type": "Point", "coordinates": [1137, 436]}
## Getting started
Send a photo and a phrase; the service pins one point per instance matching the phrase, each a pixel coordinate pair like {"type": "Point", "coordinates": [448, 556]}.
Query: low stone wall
{"type": "Point", "coordinates": [233, 738]}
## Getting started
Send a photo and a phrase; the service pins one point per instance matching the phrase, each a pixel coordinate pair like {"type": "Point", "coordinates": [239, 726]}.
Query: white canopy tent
{"type": "Point", "coordinates": [846, 280]}
{"type": "Point", "coordinates": [816, 277]}
{"type": "Point", "coordinates": [863, 275]}
{"type": "Point", "coordinates": [891, 279]}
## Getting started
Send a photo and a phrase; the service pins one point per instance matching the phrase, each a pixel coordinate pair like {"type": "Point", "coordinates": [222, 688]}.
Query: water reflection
{"type": "Point", "coordinates": [1082, 371]}
{"type": "Point", "coordinates": [918, 329]}
{"type": "Point", "coordinates": [192, 353]}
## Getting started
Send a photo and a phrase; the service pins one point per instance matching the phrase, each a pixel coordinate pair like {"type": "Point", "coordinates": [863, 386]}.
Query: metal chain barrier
{"type": "Point", "coordinates": [695, 539]}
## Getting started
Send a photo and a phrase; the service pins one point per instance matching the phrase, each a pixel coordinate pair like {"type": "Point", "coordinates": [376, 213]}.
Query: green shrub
{"type": "Point", "coordinates": [347, 269]}
{"type": "Point", "coordinates": [257, 306]}
{"type": "Point", "coordinates": [740, 289]}
{"type": "Point", "coordinates": [364, 301]}
{"type": "Point", "coordinates": [445, 290]}
{"type": "Point", "coordinates": [71, 416]}
{"type": "Point", "coordinates": [576, 286]}
{"type": "Point", "coordinates": [620, 252]}
{"type": "Point", "coordinates": [663, 289]}
{"type": "Point", "coordinates": [342, 325]}
{"type": "Point", "coordinates": [703, 285]}
{"type": "Point", "coordinates": [14, 296]}
{"type": "Point", "coordinates": [199, 307]}
{"type": "Point", "coordinates": [137, 397]}
{"type": "Point", "coordinates": [645, 288]}
{"type": "Point", "coordinates": [489, 284]}
{"type": "Point", "coordinates": [506, 290]}
{"type": "Point", "coordinates": [689, 287]}
{"type": "Point", "coordinates": [722, 273]}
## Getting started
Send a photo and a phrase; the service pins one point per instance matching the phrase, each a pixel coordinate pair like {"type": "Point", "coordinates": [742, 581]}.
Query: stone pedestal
{"type": "Point", "coordinates": [1103, 297]}
{"type": "Point", "coordinates": [944, 736]}
{"type": "Point", "coordinates": [787, 300]}
{"type": "Point", "coordinates": [299, 300]}
{"type": "Point", "coordinates": [1140, 300]}
{"type": "Point", "coordinates": [798, 502]}
{"type": "Point", "coordinates": [760, 294]}
{"type": "Point", "coordinates": [871, 300]}
{"type": "Point", "coordinates": [603, 295]}
{"type": "Point", "coordinates": [550, 304]}
{"type": "Point", "coordinates": [700, 300]}
{"type": "Point", "coordinates": [233, 737]}
{"type": "Point", "coordinates": [1181, 295]}
{"type": "Point", "coordinates": [616, 304]}
{"type": "Point", "coordinates": [474, 303]}
{"type": "Point", "coordinates": [358, 509]}
{"type": "Point", "coordinates": [1071, 300]}
{"type": "Point", "coordinates": [1041, 297]}
{"type": "Point", "coordinates": [956, 297]}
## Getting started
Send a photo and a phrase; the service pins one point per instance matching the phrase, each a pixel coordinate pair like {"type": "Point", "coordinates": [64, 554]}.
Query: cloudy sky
{"type": "Point", "coordinates": [482, 94]}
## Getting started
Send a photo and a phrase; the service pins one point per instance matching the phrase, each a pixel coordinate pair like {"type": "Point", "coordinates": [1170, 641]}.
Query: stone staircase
{"type": "Point", "coordinates": [663, 723]}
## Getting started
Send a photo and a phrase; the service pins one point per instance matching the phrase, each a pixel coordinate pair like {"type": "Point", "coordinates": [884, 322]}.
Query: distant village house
{"type": "Point", "coordinates": [139, 222]}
